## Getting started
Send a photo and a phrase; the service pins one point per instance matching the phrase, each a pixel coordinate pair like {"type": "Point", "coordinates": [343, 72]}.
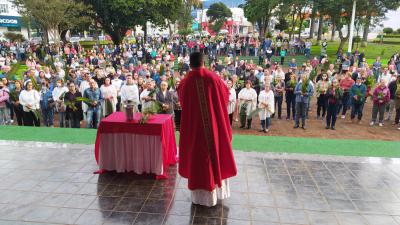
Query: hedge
{"type": "Point", "coordinates": [391, 36]}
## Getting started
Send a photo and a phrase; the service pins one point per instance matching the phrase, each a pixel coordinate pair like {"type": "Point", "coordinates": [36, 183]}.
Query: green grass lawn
{"type": "Point", "coordinates": [370, 148]}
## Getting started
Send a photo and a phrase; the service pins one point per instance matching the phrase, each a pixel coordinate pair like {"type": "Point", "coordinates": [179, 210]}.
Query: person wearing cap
{"type": "Point", "coordinates": [247, 104]}
{"type": "Point", "coordinates": [358, 96]}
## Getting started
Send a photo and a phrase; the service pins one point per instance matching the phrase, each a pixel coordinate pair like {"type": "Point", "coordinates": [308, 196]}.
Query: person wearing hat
{"type": "Point", "coordinates": [358, 94]}
{"type": "Point", "coordinates": [247, 104]}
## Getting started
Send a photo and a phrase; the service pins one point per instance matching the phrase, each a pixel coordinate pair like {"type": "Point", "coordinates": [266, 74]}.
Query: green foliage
{"type": "Point", "coordinates": [51, 15]}
{"type": "Point", "coordinates": [116, 17]}
{"type": "Point", "coordinates": [388, 30]}
{"type": "Point", "coordinates": [282, 24]}
{"type": "Point", "coordinates": [13, 37]}
{"type": "Point", "coordinates": [154, 109]}
{"type": "Point", "coordinates": [260, 12]}
{"type": "Point", "coordinates": [392, 35]}
{"type": "Point", "coordinates": [218, 13]}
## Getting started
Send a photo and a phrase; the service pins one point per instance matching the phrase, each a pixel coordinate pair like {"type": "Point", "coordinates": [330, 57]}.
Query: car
{"type": "Point", "coordinates": [74, 39]}
{"type": "Point", "coordinates": [36, 40]}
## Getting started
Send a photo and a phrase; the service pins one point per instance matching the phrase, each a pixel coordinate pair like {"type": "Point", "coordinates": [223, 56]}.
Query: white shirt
{"type": "Point", "coordinates": [267, 98]}
{"type": "Point", "coordinates": [130, 93]}
{"type": "Point", "coordinates": [117, 84]}
{"type": "Point", "coordinates": [386, 77]}
{"type": "Point", "coordinates": [248, 94]}
{"type": "Point", "coordinates": [145, 104]}
{"type": "Point", "coordinates": [58, 91]}
{"type": "Point", "coordinates": [31, 97]}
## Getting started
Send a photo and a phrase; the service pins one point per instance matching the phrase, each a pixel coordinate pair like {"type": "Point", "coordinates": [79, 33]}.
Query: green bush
{"type": "Point", "coordinates": [388, 30]}
{"type": "Point", "coordinates": [391, 36]}
{"type": "Point", "coordinates": [14, 37]}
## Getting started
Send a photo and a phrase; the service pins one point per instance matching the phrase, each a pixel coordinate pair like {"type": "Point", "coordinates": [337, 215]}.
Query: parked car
{"type": "Point", "coordinates": [75, 39]}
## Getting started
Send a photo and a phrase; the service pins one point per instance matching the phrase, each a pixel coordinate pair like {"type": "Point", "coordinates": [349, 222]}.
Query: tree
{"type": "Point", "coordinates": [13, 37]}
{"type": "Point", "coordinates": [218, 13]}
{"type": "Point", "coordinates": [372, 12]}
{"type": "Point", "coordinates": [282, 24]}
{"type": "Point", "coordinates": [50, 14]}
{"type": "Point", "coordinates": [116, 17]}
{"type": "Point", "coordinates": [260, 12]}
{"type": "Point", "coordinates": [185, 18]}
{"type": "Point", "coordinates": [388, 30]}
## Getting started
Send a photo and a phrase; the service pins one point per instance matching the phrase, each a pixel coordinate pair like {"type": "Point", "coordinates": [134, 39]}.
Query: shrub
{"type": "Point", "coordinates": [388, 30]}
{"type": "Point", "coordinates": [14, 37]}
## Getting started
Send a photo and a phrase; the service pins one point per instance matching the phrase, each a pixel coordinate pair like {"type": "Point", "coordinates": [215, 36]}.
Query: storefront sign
{"type": "Point", "coordinates": [10, 21]}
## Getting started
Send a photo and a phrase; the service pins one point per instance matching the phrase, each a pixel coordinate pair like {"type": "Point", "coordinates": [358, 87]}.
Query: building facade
{"type": "Point", "coordinates": [10, 20]}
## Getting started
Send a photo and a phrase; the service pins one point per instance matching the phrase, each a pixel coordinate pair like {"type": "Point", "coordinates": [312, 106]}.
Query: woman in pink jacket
{"type": "Point", "coordinates": [381, 97]}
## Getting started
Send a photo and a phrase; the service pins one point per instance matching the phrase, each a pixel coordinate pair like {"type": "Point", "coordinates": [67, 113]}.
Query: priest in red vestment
{"type": "Point", "coordinates": [205, 150]}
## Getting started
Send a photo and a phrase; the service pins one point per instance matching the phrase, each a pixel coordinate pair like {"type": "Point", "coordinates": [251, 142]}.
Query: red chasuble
{"type": "Point", "coordinates": [205, 150]}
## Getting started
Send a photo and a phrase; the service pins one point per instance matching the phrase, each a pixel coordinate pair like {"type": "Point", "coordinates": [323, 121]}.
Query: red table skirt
{"type": "Point", "coordinates": [130, 146]}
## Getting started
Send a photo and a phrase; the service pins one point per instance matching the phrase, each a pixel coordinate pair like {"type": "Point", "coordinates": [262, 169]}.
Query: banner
{"type": "Point", "coordinates": [10, 21]}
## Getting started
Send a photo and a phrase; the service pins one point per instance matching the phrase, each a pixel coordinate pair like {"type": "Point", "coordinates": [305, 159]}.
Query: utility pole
{"type": "Point", "coordinates": [353, 16]}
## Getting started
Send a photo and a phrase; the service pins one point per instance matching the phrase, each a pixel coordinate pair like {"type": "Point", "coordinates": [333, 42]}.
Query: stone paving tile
{"type": "Point", "coordinates": [54, 184]}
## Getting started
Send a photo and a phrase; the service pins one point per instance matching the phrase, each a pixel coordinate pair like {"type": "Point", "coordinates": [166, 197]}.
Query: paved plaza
{"type": "Point", "coordinates": [44, 183]}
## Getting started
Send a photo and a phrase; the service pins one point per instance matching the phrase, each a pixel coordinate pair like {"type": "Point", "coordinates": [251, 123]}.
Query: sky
{"type": "Point", "coordinates": [393, 18]}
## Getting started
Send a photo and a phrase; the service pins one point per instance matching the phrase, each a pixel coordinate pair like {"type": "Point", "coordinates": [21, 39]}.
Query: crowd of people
{"type": "Point", "coordinates": [74, 84]}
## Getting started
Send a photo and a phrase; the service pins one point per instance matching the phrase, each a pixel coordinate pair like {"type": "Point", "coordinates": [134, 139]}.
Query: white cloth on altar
{"type": "Point", "coordinates": [126, 152]}
{"type": "Point", "coordinates": [209, 198]}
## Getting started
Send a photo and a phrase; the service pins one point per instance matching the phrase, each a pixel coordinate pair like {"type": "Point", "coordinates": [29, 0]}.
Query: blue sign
{"type": "Point", "coordinates": [10, 21]}
{"type": "Point", "coordinates": [195, 26]}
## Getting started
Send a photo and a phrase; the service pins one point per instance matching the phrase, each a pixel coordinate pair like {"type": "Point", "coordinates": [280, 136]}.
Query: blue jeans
{"type": "Point", "coordinates": [308, 51]}
{"type": "Point", "coordinates": [61, 119]}
{"type": "Point", "coordinates": [357, 109]}
{"type": "Point", "coordinates": [96, 112]}
{"type": "Point", "coordinates": [301, 112]}
{"type": "Point", "coordinates": [265, 124]}
{"type": "Point", "coordinates": [290, 105]}
{"type": "Point", "coordinates": [345, 103]}
{"type": "Point", "coordinates": [331, 115]}
{"type": "Point", "coordinates": [48, 117]}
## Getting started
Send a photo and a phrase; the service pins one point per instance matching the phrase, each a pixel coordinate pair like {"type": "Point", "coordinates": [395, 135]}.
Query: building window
{"type": "Point", "coordinates": [3, 8]}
